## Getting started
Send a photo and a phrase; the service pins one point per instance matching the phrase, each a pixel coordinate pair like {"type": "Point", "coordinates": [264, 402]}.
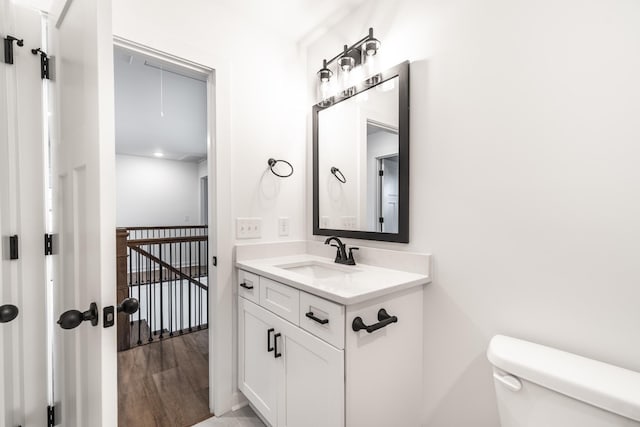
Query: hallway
{"type": "Point", "coordinates": [164, 384]}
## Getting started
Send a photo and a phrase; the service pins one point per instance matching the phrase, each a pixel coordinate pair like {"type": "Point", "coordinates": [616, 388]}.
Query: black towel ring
{"type": "Point", "coordinates": [335, 171]}
{"type": "Point", "coordinates": [272, 162]}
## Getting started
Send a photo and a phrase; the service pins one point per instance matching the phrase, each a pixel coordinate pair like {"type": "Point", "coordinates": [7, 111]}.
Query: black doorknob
{"type": "Point", "coordinates": [129, 306]}
{"type": "Point", "coordinates": [8, 312]}
{"type": "Point", "coordinates": [73, 318]}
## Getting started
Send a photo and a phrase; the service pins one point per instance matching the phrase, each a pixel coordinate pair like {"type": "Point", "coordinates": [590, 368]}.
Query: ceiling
{"type": "Point", "coordinates": [294, 19]}
{"type": "Point", "coordinates": [159, 109]}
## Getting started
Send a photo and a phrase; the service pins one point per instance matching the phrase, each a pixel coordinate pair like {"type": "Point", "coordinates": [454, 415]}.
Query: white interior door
{"type": "Point", "coordinates": [83, 180]}
{"type": "Point", "coordinates": [23, 368]}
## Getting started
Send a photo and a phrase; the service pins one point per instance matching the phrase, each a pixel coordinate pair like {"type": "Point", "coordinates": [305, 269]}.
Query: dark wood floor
{"type": "Point", "coordinates": [166, 383]}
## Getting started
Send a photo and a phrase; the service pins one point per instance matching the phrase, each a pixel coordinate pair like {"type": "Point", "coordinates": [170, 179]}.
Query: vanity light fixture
{"type": "Point", "coordinates": [349, 58]}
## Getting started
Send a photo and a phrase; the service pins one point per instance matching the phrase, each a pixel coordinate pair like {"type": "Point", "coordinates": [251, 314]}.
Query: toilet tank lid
{"type": "Point", "coordinates": [606, 386]}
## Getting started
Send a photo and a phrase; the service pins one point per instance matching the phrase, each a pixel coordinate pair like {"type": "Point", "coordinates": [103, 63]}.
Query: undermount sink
{"type": "Point", "coordinates": [318, 270]}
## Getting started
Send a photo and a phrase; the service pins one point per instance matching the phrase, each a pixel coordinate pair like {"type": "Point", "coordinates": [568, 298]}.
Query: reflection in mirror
{"type": "Point", "coordinates": [358, 138]}
{"type": "Point", "coordinates": [359, 175]}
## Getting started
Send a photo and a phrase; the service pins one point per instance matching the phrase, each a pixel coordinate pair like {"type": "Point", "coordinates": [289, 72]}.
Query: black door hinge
{"type": "Point", "coordinates": [381, 220]}
{"type": "Point", "coordinates": [51, 416]}
{"type": "Point", "coordinates": [380, 173]}
{"type": "Point", "coordinates": [8, 48]}
{"type": "Point", "coordinates": [13, 247]}
{"type": "Point", "coordinates": [44, 63]}
{"type": "Point", "coordinates": [48, 244]}
{"type": "Point", "coordinates": [215, 261]}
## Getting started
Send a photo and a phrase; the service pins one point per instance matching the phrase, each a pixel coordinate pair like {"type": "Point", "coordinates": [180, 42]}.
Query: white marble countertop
{"type": "Point", "coordinates": [359, 283]}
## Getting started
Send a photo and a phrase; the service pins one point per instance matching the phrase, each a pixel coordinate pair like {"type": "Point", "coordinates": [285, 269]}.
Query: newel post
{"type": "Point", "coordinates": [122, 288]}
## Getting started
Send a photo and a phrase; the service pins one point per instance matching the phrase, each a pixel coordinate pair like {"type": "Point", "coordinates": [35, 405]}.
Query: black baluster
{"type": "Point", "coordinates": [189, 284]}
{"type": "Point", "coordinates": [170, 282]}
{"type": "Point", "coordinates": [139, 299]}
{"type": "Point", "coordinates": [200, 288]}
{"type": "Point", "coordinates": [181, 286]}
{"type": "Point", "coordinates": [150, 298]}
{"type": "Point", "coordinates": [161, 293]}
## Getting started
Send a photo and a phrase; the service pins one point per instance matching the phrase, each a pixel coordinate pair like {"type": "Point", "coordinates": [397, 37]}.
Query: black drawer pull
{"type": "Point", "coordinates": [312, 317]}
{"type": "Point", "coordinates": [383, 320]}
{"type": "Point", "coordinates": [244, 285]}
{"type": "Point", "coordinates": [269, 347]}
{"type": "Point", "coordinates": [275, 344]}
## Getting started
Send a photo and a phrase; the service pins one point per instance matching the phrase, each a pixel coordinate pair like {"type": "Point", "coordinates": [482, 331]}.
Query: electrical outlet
{"type": "Point", "coordinates": [248, 228]}
{"type": "Point", "coordinates": [325, 222]}
{"type": "Point", "coordinates": [283, 226]}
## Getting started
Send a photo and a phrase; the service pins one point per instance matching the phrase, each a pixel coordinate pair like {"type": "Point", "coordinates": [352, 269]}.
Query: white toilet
{"type": "Point", "coordinates": [538, 386]}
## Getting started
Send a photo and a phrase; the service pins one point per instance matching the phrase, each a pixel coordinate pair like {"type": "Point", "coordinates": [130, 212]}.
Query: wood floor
{"type": "Point", "coordinates": [166, 383]}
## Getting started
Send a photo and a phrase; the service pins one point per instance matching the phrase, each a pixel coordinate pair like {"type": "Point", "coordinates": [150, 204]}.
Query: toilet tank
{"type": "Point", "coordinates": [538, 386]}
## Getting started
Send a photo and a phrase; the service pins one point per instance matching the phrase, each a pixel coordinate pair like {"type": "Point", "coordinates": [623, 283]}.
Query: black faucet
{"type": "Point", "coordinates": [341, 253]}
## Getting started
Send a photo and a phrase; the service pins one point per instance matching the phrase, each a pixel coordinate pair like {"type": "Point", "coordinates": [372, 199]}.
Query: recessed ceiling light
{"type": "Point", "coordinates": [158, 154]}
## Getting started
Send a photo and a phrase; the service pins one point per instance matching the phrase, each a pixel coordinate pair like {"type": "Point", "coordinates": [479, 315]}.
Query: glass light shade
{"type": "Point", "coordinates": [346, 63]}
{"type": "Point", "coordinates": [371, 46]}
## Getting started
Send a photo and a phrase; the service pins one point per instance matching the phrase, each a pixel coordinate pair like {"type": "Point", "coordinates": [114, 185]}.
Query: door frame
{"type": "Point", "coordinates": [223, 393]}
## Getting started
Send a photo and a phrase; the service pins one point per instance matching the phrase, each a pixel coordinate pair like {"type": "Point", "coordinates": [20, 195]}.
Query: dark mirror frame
{"type": "Point", "coordinates": [402, 72]}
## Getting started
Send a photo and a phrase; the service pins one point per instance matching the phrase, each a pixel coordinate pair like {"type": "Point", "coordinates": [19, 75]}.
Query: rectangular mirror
{"type": "Point", "coordinates": [361, 160]}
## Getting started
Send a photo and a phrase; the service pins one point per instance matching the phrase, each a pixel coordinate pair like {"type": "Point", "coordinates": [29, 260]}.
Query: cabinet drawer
{"type": "Point", "coordinates": [324, 319]}
{"type": "Point", "coordinates": [280, 299]}
{"type": "Point", "coordinates": [249, 286]}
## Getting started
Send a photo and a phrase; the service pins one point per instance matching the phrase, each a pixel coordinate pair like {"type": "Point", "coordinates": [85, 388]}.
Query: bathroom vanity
{"type": "Point", "coordinates": [326, 345]}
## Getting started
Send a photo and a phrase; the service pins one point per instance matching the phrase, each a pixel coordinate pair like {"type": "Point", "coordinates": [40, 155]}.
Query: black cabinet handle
{"type": "Point", "coordinates": [312, 317]}
{"type": "Point", "coordinates": [244, 285]}
{"type": "Point", "coordinates": [269, 347]}
{"type": "Point", "coordinates": [8, 312]}
{"type": "Point", "coordinates": [275, 344]}
{"type": "Point", "coordinates": [384, 319]}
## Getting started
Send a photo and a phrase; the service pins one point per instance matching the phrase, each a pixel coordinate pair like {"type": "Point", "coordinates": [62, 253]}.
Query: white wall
{"type": "Point", "coordinates": [524, 179]}
{"type": "Point", "coordinates": [340, 136]}
{"type": "Point", "coordinates": [153, 192]}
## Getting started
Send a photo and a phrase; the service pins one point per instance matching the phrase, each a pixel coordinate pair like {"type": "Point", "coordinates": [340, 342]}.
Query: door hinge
{"type": "Point", "coordinates": [214, 260]}
{"type": "Point", "coordinates": [51, 416]}
{"type": "Point", "coordinates": [8, 48]}
{"type": "Point", "coordinates": [48, 244]}
{"type": "Point", "coordinates": [380, 173]}
{"type": "Point", "coordinates": [13, 247]}
{"type": "Point", "coordinates": [45, 63]}
{"type": "Point", "coordinates": [381, 220]}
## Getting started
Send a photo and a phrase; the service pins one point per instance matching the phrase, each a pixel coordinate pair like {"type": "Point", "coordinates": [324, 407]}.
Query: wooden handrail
{"type": "Point", "coordinates": [169, 267]}
{"type": "Point", "coordinates": [163, 240]}
{"type": "Point", "coordinates": [167, 227]}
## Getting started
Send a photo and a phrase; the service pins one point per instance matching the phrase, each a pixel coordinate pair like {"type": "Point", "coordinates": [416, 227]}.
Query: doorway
{"type": "Point", "coordinates": [163, 235]}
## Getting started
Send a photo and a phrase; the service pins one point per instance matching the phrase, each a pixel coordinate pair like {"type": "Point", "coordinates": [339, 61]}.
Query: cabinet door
{"type": "Point", "coordinates": [312, 381]}
{"type": "Point", "coordinates": [258, 370]}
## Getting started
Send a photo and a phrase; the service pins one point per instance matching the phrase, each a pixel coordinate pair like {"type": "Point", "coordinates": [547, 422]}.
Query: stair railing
{"type": "Point", "coordinates": [166, 269]}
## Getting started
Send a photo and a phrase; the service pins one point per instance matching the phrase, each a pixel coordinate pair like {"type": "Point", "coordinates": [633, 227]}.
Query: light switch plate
{"type": "Point", "coordinates": [248, 228]}
{"type": "Point", "coordinates": [283, 226]}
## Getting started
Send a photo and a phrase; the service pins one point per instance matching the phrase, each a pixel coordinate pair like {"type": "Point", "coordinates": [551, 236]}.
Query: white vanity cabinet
{"type": "Point", "coordinates": [291, 377]}
{"type": "Point", "coordinates": [301, 364]}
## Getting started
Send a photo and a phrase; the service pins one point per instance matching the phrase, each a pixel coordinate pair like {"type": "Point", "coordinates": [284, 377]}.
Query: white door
{"type": "Point", "coordinates": [311, 382]}
{"type": "Point", "coordinates": [257, 367]}
{"type": "Point", "coordinates": [83, 156]}
{"type": "Point", "coordinates": [23, 368]}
